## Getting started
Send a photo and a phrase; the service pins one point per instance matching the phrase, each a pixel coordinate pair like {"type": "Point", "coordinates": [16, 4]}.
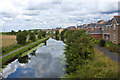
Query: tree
{"type": "Point", "coordinates": [56, 37]}
{"type": "Point", "coordinates": [19, 31]}
{"type": "Point", "coordinates": [13, 32]}
{"type": "Point", "coordinates": [39, 35]}
{"type": "Point", "coordinates": [62, 34]}
{"type": "Point", "coordinates": [21, 38]}
{"type": "Point", "coordinates": [79, 49]}
{"type": "Point", "coordinates": [43, 33]}
{"type": "Point", "coordinates": [32, 36]}
{"type": "Point", "coordinates": [56, 32]}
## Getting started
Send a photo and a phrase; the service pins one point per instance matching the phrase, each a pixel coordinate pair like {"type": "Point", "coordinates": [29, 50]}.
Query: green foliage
{"type": "Point", "coordinates": [112, 47]}
{"type": "Point", "coordinates": [17, 54]}
{"type": "Point", "coordinates": [102, 43]}
{"type": "Point", "coordinates": [78, 50]}
{"type": "Point", "coordinates": [21, 38]}
{"type": "Point", "coordinates": [39, 35]}
{"type": "Point", "coordinates": [35, 32]}
{"type": "Point", "coordinates": [32, 36]}
{"type": "Point", "coordinates": [13, 32]}
{"type": "Point", "coordinates": [99, 67]}
{"type": "Point", "coordinates": [56, 37]}
{"type": "Point", "coordinates": [56, 32]}
{"type": "Point", "coordinates": [19, 30]}
{"type": "Point", "coordinates": [43, 33]}
{"type": "Point", "coordinates": [62, 34]}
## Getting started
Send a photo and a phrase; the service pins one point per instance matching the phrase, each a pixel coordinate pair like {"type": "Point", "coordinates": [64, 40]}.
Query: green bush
{"type": "Point", "coordinates": [102, 43]}
{"type": "Point", "coordinates": [32, 37]}
{"type": "Point", "coordinates": [21, 38]}
{"type": "Point", "coordinates": [79, 49]}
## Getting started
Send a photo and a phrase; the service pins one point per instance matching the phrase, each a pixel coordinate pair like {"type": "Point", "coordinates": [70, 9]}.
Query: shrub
{"type": "Point", "coordinates": [102, 43]}
{"type": "Point", "coordinates": [32, 36]}
{"type": "Point", "coordinates": [21, 38]}
{"type": "Point", "coordinates": [79, 49]}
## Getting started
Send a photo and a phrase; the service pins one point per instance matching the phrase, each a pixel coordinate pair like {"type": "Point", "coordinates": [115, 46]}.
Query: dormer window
{"type": "Point", "coordinates": [114, 26]}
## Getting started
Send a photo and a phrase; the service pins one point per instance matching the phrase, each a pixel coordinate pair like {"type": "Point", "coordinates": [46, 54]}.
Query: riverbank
{"type": "Point", "coordinates": [7, 59]}
{"type": "Point", "coordinates": [42, 63]}
{"type": "Point", "coordinates": [100, 67]}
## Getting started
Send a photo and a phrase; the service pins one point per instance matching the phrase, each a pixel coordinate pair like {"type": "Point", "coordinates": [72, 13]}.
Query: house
{"type": "Point", "coordinates": [100, 22]}
{"type": "Point", "coordinates": [111, 30]}
{"type": "Point", "coordinates": [71, 28]}
{"type": "Point", "coordinates": [96, 33]}
{"type": "Point", "coordinates": [74, 28]}
{"type": "Point", "coordinates": [60, 30]}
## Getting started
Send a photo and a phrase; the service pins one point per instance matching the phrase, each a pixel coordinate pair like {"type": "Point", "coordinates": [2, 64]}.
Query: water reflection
{"type": "Point", "coordinates": [44, 65]}
{"type": "Point", "coordinates": [33, 53]}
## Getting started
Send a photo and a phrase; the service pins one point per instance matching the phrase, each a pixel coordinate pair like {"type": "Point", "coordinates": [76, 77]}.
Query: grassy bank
{"type": "Point", "coordinates": [109, 46]}
{"type": "Point", "coordinates": [28, 52]}
{"type": "Point", "coordinates": [9, 43]}
{"type": "Point", "coordinates": [100, 67]}
{"type": "Point", "coordinates": [17, 54]}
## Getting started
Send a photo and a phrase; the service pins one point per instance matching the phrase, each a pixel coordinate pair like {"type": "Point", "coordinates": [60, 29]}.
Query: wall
{"type": "Point", "coordinates": [96, 36]}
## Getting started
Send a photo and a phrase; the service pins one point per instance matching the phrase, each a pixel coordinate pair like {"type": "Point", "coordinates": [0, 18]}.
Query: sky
{"type": "Point", "coordinates": [47, 14]}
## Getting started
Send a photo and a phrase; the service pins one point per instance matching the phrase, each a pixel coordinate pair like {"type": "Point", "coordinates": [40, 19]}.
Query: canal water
{"type": "Point", "coordinates": [45, 62]}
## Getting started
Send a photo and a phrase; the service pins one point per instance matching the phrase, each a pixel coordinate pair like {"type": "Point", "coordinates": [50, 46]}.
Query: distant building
{"type": "Point", "coordinates": [100, 21]}
{"type": "Point", "coordinates": [60, 30]}
{"type": "Point", "coordinates": [71, 28]}
{"type": "Point", "coordinates": [96, 33]}
{"type": "Point", "coordinates": [111, 30]}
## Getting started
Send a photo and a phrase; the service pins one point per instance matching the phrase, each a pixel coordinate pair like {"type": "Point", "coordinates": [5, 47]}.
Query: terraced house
{"type": "Point", "coordinates": [111, 30]}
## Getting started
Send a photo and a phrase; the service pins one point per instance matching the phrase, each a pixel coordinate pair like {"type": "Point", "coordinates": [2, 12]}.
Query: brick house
{"type": "Point", "coordinates": [111, 30]}
{"type": "Point", "coordinates": [71, 28]}
{"type": "Point", "coordinates": [96, 33]}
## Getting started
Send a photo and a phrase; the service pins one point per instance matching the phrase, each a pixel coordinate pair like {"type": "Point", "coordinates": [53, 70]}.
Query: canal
{"type": "Point", "coordinates": [46, 62]}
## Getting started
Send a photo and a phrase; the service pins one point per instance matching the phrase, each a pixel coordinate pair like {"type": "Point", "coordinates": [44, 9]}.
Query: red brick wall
{"type": "Point", "coordinates": [96, 36]}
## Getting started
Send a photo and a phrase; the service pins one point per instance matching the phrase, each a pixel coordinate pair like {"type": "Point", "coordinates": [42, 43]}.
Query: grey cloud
{"type": "Point", "coordinates": [8, 15]}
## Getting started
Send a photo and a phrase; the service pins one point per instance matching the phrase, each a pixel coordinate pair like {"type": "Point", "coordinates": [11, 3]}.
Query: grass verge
{"type": "Point", "coordinates": [17, 54]}
{"type": "Point", "coordinates": [100, 67]}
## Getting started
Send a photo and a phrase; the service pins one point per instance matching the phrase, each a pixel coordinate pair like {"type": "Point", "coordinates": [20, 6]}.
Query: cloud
{"type": "Point", "coordinates": [53, 13]}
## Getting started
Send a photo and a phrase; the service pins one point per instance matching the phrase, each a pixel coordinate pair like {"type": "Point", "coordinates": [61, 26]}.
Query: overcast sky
{"type": "Point", "coordinates": [44, 14]}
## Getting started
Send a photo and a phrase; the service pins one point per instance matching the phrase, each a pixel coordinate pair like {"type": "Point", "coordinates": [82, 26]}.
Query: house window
{"type": "Point", "coordinates": [114, 26]}
{"type": "Point", "coordinates": [109, 27]}
{"type": "Point", "coordinates": [114, 37]}
{"type": "Point", "coordinates": [106, 27]}
{"type": "Point", "coordinates": [102, 27]}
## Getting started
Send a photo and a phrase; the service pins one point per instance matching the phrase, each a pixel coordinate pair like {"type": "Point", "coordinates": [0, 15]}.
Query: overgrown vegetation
{"type": "Point", "coordinates": [83, 60]}
{"type": "Point", "coordinates": [100, 67]}
{"type": "Point", "coordinates": [109, 45]}
{"type": "Point", "coordinates": [79, 49]}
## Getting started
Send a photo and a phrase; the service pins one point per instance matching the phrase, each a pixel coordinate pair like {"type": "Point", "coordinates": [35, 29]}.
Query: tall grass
{"type": "Point", "coordinates": [100, 67]}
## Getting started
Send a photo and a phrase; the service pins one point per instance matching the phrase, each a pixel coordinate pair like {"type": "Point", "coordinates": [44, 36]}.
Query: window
{"type": "Point", "coordinates": [106, 27]}
{"type": "Point", "coordinates": [102, 27]}
{"type": "Point", "coordinates": [109, 27]}
{"type": "Point", "coordinates": [114, 37]}
{"type": "Point", "coordinates": [114, 26]}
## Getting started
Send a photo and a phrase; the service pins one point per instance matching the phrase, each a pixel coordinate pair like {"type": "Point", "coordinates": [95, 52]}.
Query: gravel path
{"type": "Point", "coordinates": [111, 55]}
{"type": "Point", "coordinates": [17, 49]}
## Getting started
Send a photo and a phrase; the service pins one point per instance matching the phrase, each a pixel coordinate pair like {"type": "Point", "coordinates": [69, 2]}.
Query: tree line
{"type": "Point", "coordinates": [22, 36]}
